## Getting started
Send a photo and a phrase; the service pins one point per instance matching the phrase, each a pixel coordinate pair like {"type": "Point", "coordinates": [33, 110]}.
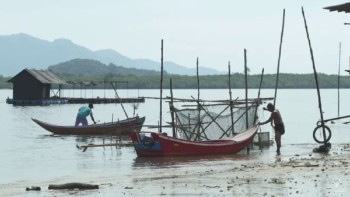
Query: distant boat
{"type": "Point", "coordinates": [121, 127]}
{"type": "Point", "coordinates": [158, 145]}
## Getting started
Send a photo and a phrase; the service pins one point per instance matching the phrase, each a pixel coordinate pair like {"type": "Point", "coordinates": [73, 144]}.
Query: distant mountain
{"type": "Point", "coordinates": [86, 67]}
{"type": "Point", "coordinates": [19, 51]}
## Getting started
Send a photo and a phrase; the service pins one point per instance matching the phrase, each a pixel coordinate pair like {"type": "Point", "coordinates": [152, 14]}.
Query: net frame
{"type": "Point", "coordinates": [204, 122]}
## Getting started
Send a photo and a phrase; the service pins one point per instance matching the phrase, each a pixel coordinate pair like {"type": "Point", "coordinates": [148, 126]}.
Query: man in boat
{"type": "Point", "coordinates": [83, 112]}
{"type": "Point", "coordinates": [277, 120]}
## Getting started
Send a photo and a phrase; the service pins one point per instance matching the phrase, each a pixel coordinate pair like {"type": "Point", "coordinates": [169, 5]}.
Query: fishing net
{"type": "Point", "coordinates": [212, 122]}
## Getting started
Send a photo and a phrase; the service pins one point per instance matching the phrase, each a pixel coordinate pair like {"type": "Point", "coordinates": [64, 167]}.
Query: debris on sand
{"type": "Point", "coordinates": [33, 188]}
{"type": "Point", "coordinates": [80, 186]}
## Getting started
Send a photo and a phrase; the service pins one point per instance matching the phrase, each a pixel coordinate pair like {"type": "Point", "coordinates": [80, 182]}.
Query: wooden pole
{"type": "Point", "coordinates": [121, 103]}
{"type": "Point", "coordinates": [279, 59]}
{"type": "Point", "coordinates": [161, 89]}
{"type": "Point", "coordinates": [261, 80]}
{"type": "Point", "coordinates": [198, 93]}
{"type": "Point", "coordinates": [246, 88]}
{"type": "Point", "coordinates": [315, 75]}
{"type": "Point", "coordinates": [339, 81]}
{"type": "Point", "coordinates": [172, 108]}
{"type": "Point", "coordinates": [230, 93]}
{"type": "Point", "coordinates": [246, 92]}
{"type": "Point", "coordinates": [59, 90]}
{"type": "Point", "coordinates": [138, 88]}
{"type": "Point", "coordinates": [92, 89]}
{"type": "Point", "coordinates": [198, 96]}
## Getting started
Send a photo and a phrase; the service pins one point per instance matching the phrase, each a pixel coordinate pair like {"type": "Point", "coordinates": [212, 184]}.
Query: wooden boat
{"type": "Point", "coordinates": [122, 127]}
{"type": "Point", "coordinates": [157, 144]}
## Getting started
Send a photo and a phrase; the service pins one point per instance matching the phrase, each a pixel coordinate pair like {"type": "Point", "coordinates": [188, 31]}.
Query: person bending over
{"type": "Point", "coordinates": [83, 112]}
{"type": "Point", "coordinates": [278, 122]}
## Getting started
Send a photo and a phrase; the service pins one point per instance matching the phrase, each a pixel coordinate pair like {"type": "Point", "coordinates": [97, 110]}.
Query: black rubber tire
{"type": "Point", "coordinates": [327, 129]}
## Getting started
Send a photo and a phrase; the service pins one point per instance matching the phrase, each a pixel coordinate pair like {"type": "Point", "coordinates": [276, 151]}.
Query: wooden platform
{"type": "Point", "coordinates": [105, 100]}
{"type": "Point", "coordinates": [73, 100]}
{"type": "Point", "coordinates": [41, 102]}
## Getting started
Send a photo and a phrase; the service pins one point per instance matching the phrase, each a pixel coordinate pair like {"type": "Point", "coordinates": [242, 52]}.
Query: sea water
{"type": "Point", "coordinates": [30, 154]}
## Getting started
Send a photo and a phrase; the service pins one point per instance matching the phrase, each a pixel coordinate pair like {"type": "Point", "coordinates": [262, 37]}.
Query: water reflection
{"type": "Point", "coordinates": [166, 162]}
{"type": "Point", "coordinates": [31, 154]}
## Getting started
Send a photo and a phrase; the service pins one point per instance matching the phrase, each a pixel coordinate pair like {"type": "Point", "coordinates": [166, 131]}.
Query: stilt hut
{"type": "Point", "coordinates": [340, 8]}
{"type": "Point", "coordinates": [345, 7]}
{"type": "Point", "coordinates": [32, 87]}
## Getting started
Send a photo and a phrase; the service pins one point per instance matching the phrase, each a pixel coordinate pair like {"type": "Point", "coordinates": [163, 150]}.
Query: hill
{"type": "Point", "coordinates": [86, 67]}
{"type": "Point", "coordinates": [19, 51]}
{"type": "Point", "coordinates": [92, 70]}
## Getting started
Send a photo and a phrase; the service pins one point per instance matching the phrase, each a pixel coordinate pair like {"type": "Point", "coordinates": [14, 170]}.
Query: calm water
{"type": "Point", "coordinates": [30, 154]}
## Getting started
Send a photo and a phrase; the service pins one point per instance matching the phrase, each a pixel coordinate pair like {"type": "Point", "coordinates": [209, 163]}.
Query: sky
{"type": "Point", "coordinates": [214, 31]}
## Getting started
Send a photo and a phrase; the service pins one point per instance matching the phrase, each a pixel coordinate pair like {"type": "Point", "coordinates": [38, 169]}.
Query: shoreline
{"type": "Point", "coordinates": [296, 172]}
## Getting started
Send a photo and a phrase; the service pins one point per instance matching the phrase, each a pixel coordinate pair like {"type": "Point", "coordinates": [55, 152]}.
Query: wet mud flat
{"type": "Point", "coordinates": [296, 172]}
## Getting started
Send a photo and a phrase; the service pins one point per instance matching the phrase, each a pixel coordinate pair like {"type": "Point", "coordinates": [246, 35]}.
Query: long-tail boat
{"type": "Point", "coordinates": [121, 127]}
{"type": "Point", "coordinates": [150, 144]}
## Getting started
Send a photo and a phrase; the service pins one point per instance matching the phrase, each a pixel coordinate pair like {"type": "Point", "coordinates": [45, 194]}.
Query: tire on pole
{"type": "Point", "coordinates": [319, 138]}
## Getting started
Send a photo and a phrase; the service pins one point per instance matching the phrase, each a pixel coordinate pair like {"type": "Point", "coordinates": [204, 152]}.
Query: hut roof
{"type": "Point", "coordinates": [44, 76]}
{"type": "Point", "coordinates": [340, 8]}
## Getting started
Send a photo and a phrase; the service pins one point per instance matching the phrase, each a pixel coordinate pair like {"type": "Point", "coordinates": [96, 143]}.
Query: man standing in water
{"type": "Point", "coordinates": [279, 126]}
{"type": "Point", "coordinates": [83, 113]}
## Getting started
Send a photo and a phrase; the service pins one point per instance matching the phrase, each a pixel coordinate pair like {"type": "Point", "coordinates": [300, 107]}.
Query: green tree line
{"type": "Point", "coordinates": [4, 84]}
{"type": "Point", "coordinates": [286, 80]}
{"type": "Point", "coordinates": [208, 81]}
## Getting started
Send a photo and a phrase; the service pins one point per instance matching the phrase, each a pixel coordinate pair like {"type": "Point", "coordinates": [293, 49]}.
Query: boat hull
{"type": "Point", "coordinates": [122, 127]}
{"type": "Point", "coordinates": [163, 145]}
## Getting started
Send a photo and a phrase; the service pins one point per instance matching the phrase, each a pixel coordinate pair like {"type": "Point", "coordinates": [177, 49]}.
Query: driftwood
{"type": "Point", "coordinates": [33, 188]}
{"type": "Point", "coordinates": [80, 186]}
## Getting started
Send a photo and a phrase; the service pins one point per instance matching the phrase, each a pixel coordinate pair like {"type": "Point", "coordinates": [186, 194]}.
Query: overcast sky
{"type": "Point", "coordinates": [214, 31]}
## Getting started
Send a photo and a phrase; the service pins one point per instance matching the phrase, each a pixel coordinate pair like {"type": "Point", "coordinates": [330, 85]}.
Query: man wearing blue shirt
{"type": "Point", "coordinates": [83, 113]}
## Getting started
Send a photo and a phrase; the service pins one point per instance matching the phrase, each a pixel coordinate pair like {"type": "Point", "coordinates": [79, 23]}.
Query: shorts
{"type": "Point", "coordinates": [280, 128]}
{"type": "Point", "coordinates": [81, 120]}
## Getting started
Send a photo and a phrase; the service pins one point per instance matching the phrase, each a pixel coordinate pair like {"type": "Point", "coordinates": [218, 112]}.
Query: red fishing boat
{"type": "Point", "coordinates": [120, 127]}
{"type": "Point", "coordinates": [148, 144]}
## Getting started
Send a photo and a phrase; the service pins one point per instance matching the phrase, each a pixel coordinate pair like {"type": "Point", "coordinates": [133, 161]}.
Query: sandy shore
{"type": "Point", "coordinates": [296, 172]}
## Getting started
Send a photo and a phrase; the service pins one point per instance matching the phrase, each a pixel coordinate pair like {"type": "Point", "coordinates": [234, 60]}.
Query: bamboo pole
{"type": "Point", "coordinates": [279, 59]}
{"type": "Point", "coordinates": [230, 93]}
{"type": "Point", "coordinates": [315, 75]}
{"type": "Point", "coordinates": [84, 147]}
{"type": "Point", "coordinates": [104, 89]}
{"type": "Point", "coordinates": [161, 89]}
{"type": "Point", "coordinates": [198, 93]}
{"type": "Point", "coordinates": [246, 87]}
{"type": "Point", "coordinates": [261, 80]}
{"type": "Point", "coordinates": [246, 92]}
{"type": "Point", "coordinates": [220, 102]}
{"type": "Point", "coordinates": [339, 81]}
{"type": "Point", "coordinates": [198, 97]}
{"type": "Point", "coordinates": [211, 117]}
{"type": "Point", "coordinates": [121, 103]}
{"type": "Point", "coordinates": [172, 108]}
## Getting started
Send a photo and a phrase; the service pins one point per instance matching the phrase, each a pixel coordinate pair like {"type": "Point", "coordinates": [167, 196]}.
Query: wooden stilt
{"type": "Point", "coordinates": [161, 90]}
{"type": "Point", "coordinates": [246, 87]}
{"type": "Point", "coordinates": [231, 103]}
{"type": "Point", "coordinates": [172, 108]}
{"type": "Point", "coordinates": [279, 59]}
{"type": "Point", "coordinates": [315, 75]}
